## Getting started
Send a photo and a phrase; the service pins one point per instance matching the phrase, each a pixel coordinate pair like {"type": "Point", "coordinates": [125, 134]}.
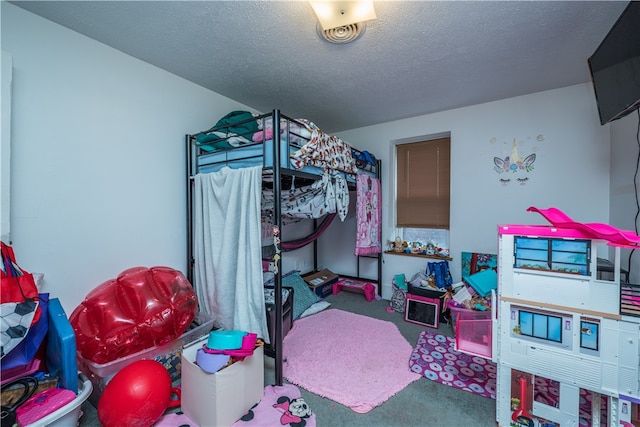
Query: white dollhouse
{"type": "Point", "coordinates": [566, 340]}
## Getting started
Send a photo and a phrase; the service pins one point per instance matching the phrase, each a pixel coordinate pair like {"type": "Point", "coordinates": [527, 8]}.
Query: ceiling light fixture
{"type": "Point", "coordinates": [342, 21]}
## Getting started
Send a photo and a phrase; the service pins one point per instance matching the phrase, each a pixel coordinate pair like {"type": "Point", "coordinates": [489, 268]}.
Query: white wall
{"type": "Point", "coordinates": [98, 160]}
{"type": "Point", "coordinates": [625, 152]}
{"type": "Point", "coordinates": [571, 169]}
{"type": "Point", "coordinates": [5, 146]}
{"type": "Point", "coordinates": [98, 156]}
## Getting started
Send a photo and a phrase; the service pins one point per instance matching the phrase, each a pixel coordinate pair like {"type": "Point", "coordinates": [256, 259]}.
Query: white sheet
{"type": "Point", "coordinates": [227, 252]}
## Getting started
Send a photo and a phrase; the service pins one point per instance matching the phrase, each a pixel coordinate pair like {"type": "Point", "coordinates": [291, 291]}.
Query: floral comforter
{"type": "Point", "coordinates": [324, 151]}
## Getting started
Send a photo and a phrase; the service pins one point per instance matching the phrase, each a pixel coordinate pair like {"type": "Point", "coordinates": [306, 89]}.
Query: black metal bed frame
{"type": "Point", "coordinates": [277, 172]}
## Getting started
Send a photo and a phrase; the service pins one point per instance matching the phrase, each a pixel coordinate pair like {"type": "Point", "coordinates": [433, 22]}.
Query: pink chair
{"type": "Point", "coordinates": [368, 289]}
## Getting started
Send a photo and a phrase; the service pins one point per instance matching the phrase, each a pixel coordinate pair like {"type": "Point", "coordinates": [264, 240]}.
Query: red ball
{"type": "Point", "coordinates": [138, 395]}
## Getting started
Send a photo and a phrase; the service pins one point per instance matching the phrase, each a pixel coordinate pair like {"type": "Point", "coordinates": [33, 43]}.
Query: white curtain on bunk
{"type": "Point", "coordinates": [227, 250]}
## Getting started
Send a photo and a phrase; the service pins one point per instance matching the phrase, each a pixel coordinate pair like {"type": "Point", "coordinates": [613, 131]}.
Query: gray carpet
{"type": "Point", "coordinates": [422, 403]}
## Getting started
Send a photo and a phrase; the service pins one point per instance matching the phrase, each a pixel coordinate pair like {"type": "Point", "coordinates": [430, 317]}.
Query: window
{"type": "Point", "coordinates": [440, 238]}
{"type": "Point", "coordinates": [589, 334]}
{"type": "Point", "coordinates": [565, 256]}
{"type": "Point", "coordinates": [540, 325]}
{"type": "Point", "coordinates": [422, 186]}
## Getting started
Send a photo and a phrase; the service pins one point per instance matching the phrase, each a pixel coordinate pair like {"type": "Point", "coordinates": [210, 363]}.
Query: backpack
{"type": "Point", "coordinates": [398, 299]}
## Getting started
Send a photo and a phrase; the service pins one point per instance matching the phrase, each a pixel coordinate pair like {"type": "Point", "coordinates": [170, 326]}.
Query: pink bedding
{"type": "Point", "coordinates": [369, 237]}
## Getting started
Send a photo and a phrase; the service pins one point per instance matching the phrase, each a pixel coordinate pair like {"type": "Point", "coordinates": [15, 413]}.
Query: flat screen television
{"type": "Point", "coordinates": [615, 67]}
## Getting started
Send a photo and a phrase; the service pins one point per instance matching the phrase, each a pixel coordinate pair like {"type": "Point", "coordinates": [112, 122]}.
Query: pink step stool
{"type": "Point", "coordinates": [368, 289]}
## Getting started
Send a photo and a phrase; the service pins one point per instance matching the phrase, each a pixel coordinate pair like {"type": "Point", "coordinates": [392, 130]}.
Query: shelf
{"type": "Point", "coordinates": [443, 258]}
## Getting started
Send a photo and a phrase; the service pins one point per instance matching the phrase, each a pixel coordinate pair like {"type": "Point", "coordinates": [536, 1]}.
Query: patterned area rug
{"type": "Point", "coordinates": [435, 358]}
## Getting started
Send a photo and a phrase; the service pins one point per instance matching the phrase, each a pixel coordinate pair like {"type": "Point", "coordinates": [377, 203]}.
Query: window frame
{"type": "Point", "coordinates": [548, 254]}
{"type": "Point", "coordinates": [594, 327]}
{"type": "Point", "coordinates": [537, 333]}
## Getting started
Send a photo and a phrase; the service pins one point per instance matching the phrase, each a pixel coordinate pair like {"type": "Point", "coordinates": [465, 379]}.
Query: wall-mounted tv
{"type": "Point", "coordinates": [615, 67]}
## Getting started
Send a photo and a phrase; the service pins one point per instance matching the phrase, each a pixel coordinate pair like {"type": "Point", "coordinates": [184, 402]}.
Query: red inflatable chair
{"type": "Point", "coordinates": [141, 308]}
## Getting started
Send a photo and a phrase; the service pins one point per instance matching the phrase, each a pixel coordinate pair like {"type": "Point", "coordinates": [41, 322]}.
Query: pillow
{"type": "Point", "coordinates": [303, 297]}
{"type": "Point", "coordinates": [315, 308]}
{"type": "Point", "coordinates": [270, 296]}
{"type": "Point", "coordinates": [267, 277]}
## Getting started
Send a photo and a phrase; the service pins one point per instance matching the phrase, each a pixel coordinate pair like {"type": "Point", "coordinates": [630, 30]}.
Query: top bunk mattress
{"type": "Point", "coordinates": [255, 154]}
{"type": "Point", "coordinates": [241, 139]}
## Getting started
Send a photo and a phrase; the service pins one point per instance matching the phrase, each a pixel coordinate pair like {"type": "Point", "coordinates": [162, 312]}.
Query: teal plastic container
{"type": "Point", "coordinates": [225, 340]}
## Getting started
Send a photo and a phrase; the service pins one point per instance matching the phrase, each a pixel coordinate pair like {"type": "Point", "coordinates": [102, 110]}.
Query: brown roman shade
{"type": "Point", "coordinates": [423, 184]}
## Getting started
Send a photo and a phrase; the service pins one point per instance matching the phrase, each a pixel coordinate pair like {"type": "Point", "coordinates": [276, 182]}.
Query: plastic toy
{"type": "Point", "coordinates": [225, 340]}
{"type": "Point", "coordinates": [246, 349]}
{"type": "Point", "coordinates": [557, 322]}
{"type": "Point", "coordinates": [368, 289]}
{"type": "Point", "coordinates": [211, 363]}
{"type": "Point", "coordinates": [138, 395]}
{"type": "Point", "coordinates": [42, 404]}
{"type": "Point", "coordinates": [141, 308]}
{"type": "Point", "coordinates": [521, 415]}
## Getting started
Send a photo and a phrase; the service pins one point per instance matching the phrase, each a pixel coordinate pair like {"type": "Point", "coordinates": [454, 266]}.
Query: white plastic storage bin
{"type": "Point", "coordinates": [101, 374]}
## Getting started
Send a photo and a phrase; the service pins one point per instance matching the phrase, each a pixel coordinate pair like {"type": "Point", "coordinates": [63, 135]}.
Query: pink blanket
{"type": "Point", "coordinates": [281, 406]}
{"type": "Point", "coordinates": [369, 238]}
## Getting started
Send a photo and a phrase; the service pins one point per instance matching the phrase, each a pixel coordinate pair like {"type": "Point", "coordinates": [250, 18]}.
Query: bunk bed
{"type": "Point", "coordinates": [289, 151]}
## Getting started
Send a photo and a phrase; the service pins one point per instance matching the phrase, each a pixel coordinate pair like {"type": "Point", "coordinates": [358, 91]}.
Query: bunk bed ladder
{"type": "Point", "coordinates": [277, 278]}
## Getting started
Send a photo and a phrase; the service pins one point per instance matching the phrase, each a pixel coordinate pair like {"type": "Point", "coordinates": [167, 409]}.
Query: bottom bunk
{"type": "Point", "coordinates": [298, 301]}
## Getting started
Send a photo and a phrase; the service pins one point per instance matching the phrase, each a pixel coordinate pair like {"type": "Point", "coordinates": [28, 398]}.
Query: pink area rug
{"type": "Point", "coordinates": [435, 358]}
{"type": "Point", "coordinates": [355, 360]}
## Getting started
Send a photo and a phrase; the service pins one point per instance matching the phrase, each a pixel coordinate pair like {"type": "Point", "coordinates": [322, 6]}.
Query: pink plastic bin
{"type": "Point", "coordinates": [473, 331]}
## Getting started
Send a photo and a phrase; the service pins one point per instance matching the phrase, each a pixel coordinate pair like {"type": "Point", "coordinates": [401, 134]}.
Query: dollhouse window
{"type": "Point", "coordinates": [589, 334]}
{"type": "Point", "coordinates": [539, 325]}
{"type": "Point", "coordinates": [560, 255]}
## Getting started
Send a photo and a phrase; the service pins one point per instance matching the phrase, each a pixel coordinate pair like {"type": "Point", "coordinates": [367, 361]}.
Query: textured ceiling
{"type": "Point", "coordinates": [418, 57]}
